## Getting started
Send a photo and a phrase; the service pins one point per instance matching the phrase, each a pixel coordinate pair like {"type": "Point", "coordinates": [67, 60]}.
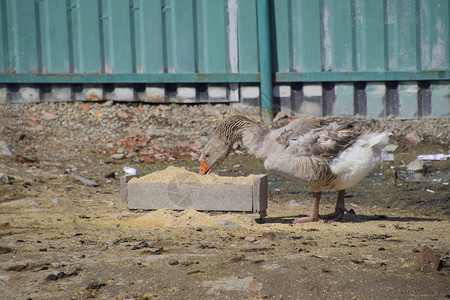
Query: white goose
{"type": "Point", "coordinates": [307, 151]}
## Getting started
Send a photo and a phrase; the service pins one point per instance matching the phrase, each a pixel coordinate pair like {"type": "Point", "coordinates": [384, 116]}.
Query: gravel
{"type": "Point", "coordinates": [112, 127]}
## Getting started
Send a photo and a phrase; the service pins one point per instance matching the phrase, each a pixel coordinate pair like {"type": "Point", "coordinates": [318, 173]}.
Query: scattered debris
{"type": "Point", "coordinates": [387, 156]}
{"type": "Point", "coordinates": [96, 286]}
{"type": "Point", "coordinates": [129, 170]}
{"type": "Point", "coordinates": [151, 149]}
{"type": "Point", "coordinates": [60, 275]}
{"type": "Point", "coordinates": [84, 180]}
{"type": "Point", "coordinates": [439, 156]}
{"type": "Point", "coordinates": [195, 272]}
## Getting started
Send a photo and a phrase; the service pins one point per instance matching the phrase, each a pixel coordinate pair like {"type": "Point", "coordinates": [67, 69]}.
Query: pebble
{"type": "Point", "coordinates": [255, 286]}
{"type": "Point", "coordinates": [390, 148]}
{"type": "Point", "coordinates": [226, 223]}
{"type": "Point", "coordinates": [250, 238]}
{"type": "Point", "coordinates": [4, 149]}
{"type": "Point", "coordinates": [416, 166]}
{"type": "Point", "coordinates": [173, 262]}
{"type": "Point", "coordinates": [118, 156]}
{"type": "Point", "coordinates": [49, 116]}
{"type": "Point", "coordinates": [4, 179]}
{"type": "Point", "coordinates": [273, 266]}
{"type": "Point", "coordinates": [294, 203]}
{"type": "Point", "coordinates": [273, 235]}
{"type": "Point", "coordinates": [58, 201]}
{"type": "Point", "coordinates": [5, 277]}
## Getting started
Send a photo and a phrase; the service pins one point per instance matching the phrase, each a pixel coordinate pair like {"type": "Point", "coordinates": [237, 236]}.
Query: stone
{"type": "Point", "coordinates": [49, 116]}
{"type": "Point", "coordinates": [85, 107]}
{"type": "Point", "coordinates": [84, 180]}
{"type": "Point", "coordinates": [5, 250]}
{"type": "Point", "coordinates": [294, 203]}
{"type": "Point", "coordinates": [255, 286]}
{"type": "Point", "coordinates": [413, 137]}
{"type": "Point", "coordinates": [162, 107]}
{"type": "Point", "coordinates": [273, 266]}
{"type": "Point", "coordinates": [416, 166]}
{"type": "Point", "coordinates": [390, 148]}
{"type": "Point", "coordinates": [123, 115]}
{"type": "Point", "coordinates": [228, 284]}
{"type": "Point", "coordinates": [226, 223]}
{"type": "Point", "coordinates": [4, 179]}
{"type": "Point", "coordinates": [4, 149]}
{"type": "Point", "coordinates": [118, 156]}
{"type": "Point", "coordinates": [428, 261]}
{"type": "Point", "coordinates": [272, 235]}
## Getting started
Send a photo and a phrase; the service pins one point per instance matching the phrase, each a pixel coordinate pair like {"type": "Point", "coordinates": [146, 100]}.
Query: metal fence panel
{"type": "Point", "coordinates": [323, 51]}
{"type": "Point", "coordinates": [319, 39]}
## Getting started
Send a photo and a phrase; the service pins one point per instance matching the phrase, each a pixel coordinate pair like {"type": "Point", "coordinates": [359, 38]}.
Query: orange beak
{"type": "Point", "coordinates": [204, 168]}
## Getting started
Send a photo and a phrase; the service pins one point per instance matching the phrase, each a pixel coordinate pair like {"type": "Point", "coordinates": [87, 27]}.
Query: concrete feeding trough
{"type": "Point", "coordinates": [179, 189]}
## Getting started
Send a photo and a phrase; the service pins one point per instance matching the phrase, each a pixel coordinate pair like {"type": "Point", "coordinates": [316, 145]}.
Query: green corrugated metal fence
{"type": "Point", "coordinates": [328, 56]}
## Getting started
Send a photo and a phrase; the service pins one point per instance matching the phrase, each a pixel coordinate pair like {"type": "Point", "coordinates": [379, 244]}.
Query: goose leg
{"type": "Point", "coordinates": [314, 215]}
{"type": "Point", "coordinates": [339, 210]}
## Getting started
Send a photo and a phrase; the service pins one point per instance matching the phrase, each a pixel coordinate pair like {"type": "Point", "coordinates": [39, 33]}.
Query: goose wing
{"type": "Point", "coordinates": [326, 141]}
{"type": "Point", "coordinates": [295, 130]}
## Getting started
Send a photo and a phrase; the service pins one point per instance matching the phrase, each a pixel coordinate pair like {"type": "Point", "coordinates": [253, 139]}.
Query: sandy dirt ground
{"type": "Point", "coordinates": [63, 239]}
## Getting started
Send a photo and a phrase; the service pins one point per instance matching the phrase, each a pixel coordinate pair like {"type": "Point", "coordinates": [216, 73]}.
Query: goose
{"type": "Point", "coordinates": [307, 151]}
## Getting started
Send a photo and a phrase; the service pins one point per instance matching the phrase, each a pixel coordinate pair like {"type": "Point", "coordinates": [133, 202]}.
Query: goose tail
{"type": "Point", "coordinates": [376, 139]}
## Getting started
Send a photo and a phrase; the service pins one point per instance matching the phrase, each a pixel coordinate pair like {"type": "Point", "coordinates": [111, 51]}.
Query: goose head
{"type": "Point", "coordinates": [217, 149]}
{"type": "Point", "coordinates": [213, 154]}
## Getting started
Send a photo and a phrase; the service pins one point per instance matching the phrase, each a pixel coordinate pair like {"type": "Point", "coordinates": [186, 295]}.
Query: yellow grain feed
{"type": "Point", "coordinates": [180, 175]}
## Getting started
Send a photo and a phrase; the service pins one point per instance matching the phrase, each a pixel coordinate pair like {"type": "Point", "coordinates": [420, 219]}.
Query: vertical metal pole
{"type": "Point", "coordinates": [265, 60]}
